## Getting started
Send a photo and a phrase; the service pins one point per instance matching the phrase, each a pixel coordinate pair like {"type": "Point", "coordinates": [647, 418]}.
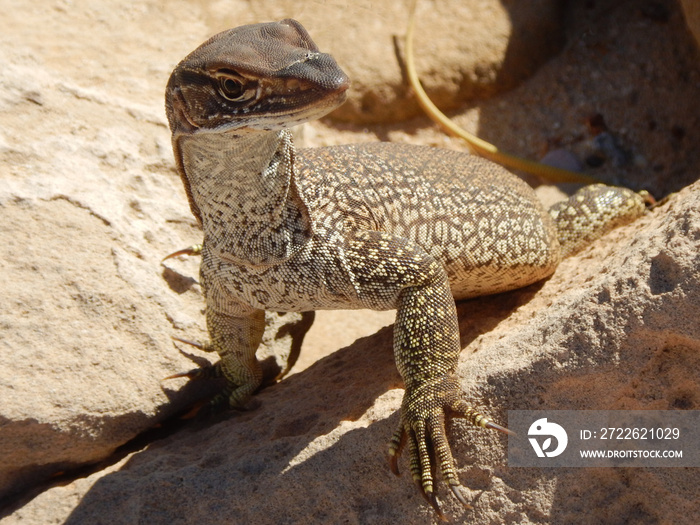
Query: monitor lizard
{"type": "Point", "coordinates": [379, 225]}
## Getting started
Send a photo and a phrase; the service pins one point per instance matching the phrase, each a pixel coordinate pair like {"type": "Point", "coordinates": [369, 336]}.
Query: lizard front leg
{"type": "Point", "coordinates": [236, 337]}
{"type": "Point", "coordinates": [391, 271]}
{"type": "Point", "coordinates": [235, 331]}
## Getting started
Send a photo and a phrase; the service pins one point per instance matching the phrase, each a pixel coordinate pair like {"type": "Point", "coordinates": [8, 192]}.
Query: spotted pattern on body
{"type": "Point", "coordinates": [381, 226]}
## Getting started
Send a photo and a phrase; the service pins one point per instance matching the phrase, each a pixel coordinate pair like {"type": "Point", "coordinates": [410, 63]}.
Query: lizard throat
{"type": "Point", "coordinates": [244, 188]}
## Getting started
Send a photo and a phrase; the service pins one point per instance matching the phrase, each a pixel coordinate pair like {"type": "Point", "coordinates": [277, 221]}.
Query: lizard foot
{"type": "Point", "coordinates": [231, 396]}
{"type": "Point", "coordinates": [422, 427]}
{"type": "Point", "coordinates": [235, 394]}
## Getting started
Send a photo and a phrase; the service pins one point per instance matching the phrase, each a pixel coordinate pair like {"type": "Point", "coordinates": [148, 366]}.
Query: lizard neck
{"type": "Point", "coordinates": [244, 189]}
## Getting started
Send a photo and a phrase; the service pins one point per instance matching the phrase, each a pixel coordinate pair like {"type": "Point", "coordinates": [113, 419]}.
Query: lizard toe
{"type": "Point", "coordinates": [240, 397]}
{"type": "Point", "coordinates": [196, 374]}
{"type": "Point", "coordinates": [396, 446]}
{"type": "Point", "coordinates": [432, 499]}
{"type": "Point", "coordinates": [195, 249]}
{"type": "Point", "coordinates": [423, 429]}
{"type": "Point", "coordinates": [204, 347]}
{"type": "Point", "coordinates": [462, 409]}
{"type": "Point", "coordinates": [222, 402]}
{"type": "Point", "coordinates": [457, 491]}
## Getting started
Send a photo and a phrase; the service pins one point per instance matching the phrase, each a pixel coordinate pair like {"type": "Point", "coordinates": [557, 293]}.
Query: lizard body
{"type": "Point", "coordinates": [382, 226]}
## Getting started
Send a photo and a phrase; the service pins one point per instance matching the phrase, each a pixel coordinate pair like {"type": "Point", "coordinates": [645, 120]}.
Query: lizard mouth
{"type": "Point", "coordinates": [308, 104]}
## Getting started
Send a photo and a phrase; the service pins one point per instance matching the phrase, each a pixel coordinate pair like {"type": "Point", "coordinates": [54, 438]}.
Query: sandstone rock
{"type": "Point", "coordinates": [615, 328]}
{"type": "Point", "coordinates": [90, 203]}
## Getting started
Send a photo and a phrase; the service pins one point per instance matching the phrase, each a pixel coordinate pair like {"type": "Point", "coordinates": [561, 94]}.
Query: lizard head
{"type": "Point", "coordinates": [255, 77]}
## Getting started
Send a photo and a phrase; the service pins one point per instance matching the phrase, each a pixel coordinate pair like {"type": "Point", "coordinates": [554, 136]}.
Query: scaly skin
{"type": "Point", "coordinates": [381, 226]}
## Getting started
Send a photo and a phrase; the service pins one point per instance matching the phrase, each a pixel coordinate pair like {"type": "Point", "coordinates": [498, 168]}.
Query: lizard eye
{"type": "Point", "coordinates": [231, 88]}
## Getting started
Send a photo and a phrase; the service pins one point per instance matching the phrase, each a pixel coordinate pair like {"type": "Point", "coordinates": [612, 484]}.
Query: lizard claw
{"type": "Point", "coordinates": [221, 401]}
{"type": "Point", "coordinates": [204, 347]}
{"type": "Point", "coordinates": [235, 394]}
{"type": "Point", "coordinates": [490, 424]}
{"type": "Point", "coordinates": [462, 409]}
{"type": "Point", "coordinates": [205, 410]}
{"type": "Point", "coordinates": [432, 499]}
{"type": "Point", "coordinates": [206, 372]}
{"type": "Point", "coordinates": [398, 441]}
{"type": "Point", "coordinates": [195, 249]}
{"type": "Point", "coordinates": [457, 491]}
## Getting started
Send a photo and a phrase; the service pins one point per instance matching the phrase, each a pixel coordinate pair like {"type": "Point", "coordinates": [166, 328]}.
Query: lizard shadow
{"type": "Point", "coordinates": [482, 314]}
{"type": "Point", "coordinates": [178, 282]}
{"type": "Point", "coordinates": [274, 447]}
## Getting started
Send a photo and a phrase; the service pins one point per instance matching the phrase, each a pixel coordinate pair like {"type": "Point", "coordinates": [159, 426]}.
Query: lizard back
{"type": "Point", "coordinates": [486, 226]}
